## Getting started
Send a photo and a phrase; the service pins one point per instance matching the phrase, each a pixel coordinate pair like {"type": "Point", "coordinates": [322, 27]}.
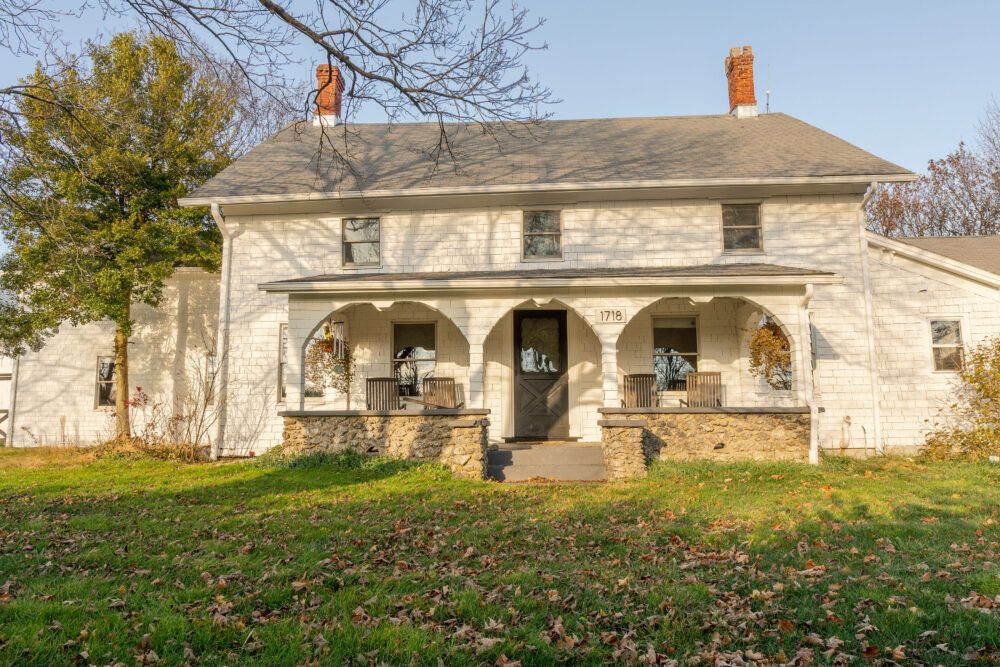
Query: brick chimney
{"type": "Point", "coordinates": [739, 74]}
{"type": "Point", "coordinates": [330, 85]}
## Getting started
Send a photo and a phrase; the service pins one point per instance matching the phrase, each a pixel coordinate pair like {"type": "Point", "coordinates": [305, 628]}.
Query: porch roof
{"type": "Point", "coordinates": [708, 274]}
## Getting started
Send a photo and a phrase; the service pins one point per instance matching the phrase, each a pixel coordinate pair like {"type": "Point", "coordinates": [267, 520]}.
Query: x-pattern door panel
{"type": "Point", "coordinates": [541, 386]}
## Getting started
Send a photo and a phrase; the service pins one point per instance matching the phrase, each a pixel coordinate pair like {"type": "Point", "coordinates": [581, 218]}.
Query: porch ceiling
{"type": "Point", "coordinates": [709, 274]}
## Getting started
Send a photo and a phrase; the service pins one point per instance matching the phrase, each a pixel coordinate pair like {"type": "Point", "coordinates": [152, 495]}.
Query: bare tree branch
{"type": "Point", "coordinates": [959, 196]}
{"type": "Point", "coordinates": [448, 61]}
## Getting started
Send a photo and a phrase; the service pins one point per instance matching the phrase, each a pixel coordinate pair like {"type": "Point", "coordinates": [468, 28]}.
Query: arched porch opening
{"type": "Point", "coordinates": [677, 335]}
{"type": "Point", "coordinates": [521, 346]}
{"type": "Point", "coordinates": [407, 340]}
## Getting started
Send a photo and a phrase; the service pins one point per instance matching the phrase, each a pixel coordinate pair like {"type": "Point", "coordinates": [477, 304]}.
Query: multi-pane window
{"type": "Point", "coordinates": [282, 361]}
{"type": "Point", "coordinates": [414, 355]}
{"type": "Point", "coordinates": [105, 381]}
{"type": "Point", "coordinates": [946, 344]}
{"type": "Point", "coordinates": [211, 371]}
{"type": "Point", "coordinates": [542, 234]}
{"type": "Point", "coordinates": [361, 241]}
{"type": "Point", "coordinates": [675, 351]}
{"type": "Point", "coordinates": [741, 227]}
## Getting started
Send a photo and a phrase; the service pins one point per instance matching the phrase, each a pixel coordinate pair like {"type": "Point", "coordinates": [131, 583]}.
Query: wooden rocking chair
{"type": "Point", "coordinates": [382, 394]}
{"type": "Point", "coordinates": [704, 390]}
{"type": "Point", "coordinates": [439, 393]}
{"type": "Point", "coordinates": [640, 391]}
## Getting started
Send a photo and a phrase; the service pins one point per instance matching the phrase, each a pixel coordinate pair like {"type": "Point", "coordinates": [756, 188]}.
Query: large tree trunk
{"type": "Point", "coordinates": [123, 429]}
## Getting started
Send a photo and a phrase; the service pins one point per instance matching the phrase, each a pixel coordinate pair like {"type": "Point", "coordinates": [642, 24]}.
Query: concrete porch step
{"type": "Point", "coordinates": [564, 462]}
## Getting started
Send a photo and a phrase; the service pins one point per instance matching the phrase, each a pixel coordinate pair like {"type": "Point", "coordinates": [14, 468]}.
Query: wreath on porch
{"type": "Point", "coordinates": [771, 355]}
{"type": "Point", "coordinates": [329, 362]}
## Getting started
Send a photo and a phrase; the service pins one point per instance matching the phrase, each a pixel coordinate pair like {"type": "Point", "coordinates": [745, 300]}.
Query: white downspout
{"type": "Point", "coordinates": [806, 373]}
{"type": "Point", "coordinates": [222, 339]}
{"type": "Point", "coordinates": [876, 387]}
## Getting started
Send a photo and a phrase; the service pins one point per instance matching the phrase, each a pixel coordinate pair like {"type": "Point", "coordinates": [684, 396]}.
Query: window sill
{"type": "Point", "coordinates": [359, 267]}
{"type": "Point", "coordinates": [535, 260]}
{"type": "Point", "coordinates": [754, 251]}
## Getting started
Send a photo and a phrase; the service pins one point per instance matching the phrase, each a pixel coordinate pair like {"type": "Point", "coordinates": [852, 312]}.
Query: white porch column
{"type": "Point", "coordinates": [804, 362]}
{"type": "Point", "coordinates": [608, 334]}
{"type": "Point", "coordinates": [609, 372]}
{"type": "Point", "coordinates": [476, 317]}
{"type": "Point", "coordinates": [477, 370]}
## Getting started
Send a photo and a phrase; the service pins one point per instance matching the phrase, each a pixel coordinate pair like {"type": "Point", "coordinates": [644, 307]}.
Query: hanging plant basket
{"type": "Point", "coordinates": [771, 355]}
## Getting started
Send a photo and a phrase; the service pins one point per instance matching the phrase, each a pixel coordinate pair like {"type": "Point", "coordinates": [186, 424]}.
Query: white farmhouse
{"type": "Point", "coordinates": [588, 281]}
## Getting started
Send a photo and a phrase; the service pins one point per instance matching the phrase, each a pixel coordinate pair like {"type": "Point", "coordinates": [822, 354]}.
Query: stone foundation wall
{"type": "Point", "coordinates": [456, 438]}
{"type": "Point", "coordinates": [732, 434]}
{"type": "Point", "coordinates": [622, 442]}
{"type": "Point", "coordinates": [728, 437]}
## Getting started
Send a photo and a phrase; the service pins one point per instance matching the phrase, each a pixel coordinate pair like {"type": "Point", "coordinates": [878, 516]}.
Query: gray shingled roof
{"type": "Point", "coordinates": [702, 271]}
{"type": "Point", "coordinates": [394, 157]}
{"type": "Point", "coordinates": [982, 252]}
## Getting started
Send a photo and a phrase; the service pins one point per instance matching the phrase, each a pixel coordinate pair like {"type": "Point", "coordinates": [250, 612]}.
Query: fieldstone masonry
{"type": "Point", "coordinates": [456, 438]}
{"type": "Point", "coordinates": [724, 434]}
{"type": "Point", "coordinates": [622, 442]}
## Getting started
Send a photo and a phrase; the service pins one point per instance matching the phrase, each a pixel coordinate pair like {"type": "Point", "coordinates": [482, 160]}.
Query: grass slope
{"type": "Point", "coordinates": [882, 561]}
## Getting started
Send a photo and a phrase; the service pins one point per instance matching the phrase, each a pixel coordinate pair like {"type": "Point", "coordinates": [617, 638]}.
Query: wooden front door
{"type": "Point", "coordinates": [541, 388]}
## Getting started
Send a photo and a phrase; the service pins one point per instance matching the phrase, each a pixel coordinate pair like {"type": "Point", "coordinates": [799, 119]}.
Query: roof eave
{"type": "Point", "coordinates": [549, 187]}
{"type": "Point", "coordinates": [355, 286]}
{"type": "Point", "coordinates": [935, 260]}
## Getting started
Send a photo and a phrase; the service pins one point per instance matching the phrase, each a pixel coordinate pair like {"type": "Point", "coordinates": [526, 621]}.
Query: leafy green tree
{"type": "Point", "coordinates": [91, 178]}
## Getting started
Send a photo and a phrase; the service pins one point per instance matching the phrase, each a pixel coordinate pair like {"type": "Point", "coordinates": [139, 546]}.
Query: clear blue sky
{"type": "Point", "coordinates": [904, 80]}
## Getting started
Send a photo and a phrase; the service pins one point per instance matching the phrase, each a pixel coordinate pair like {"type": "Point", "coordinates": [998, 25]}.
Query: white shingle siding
{"type": "Point", "coordinates": [55, 400]}
{"type": "Point", "coordinates": [907, 296]}
{"type": "Point", "coordinates": [813, 232]}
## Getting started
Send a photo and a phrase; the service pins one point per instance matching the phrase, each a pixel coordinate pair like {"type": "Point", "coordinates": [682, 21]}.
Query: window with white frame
{"type": "Point", "coordinates": [282, 351]}
{"type": "Point", "coordinates": [946, 344]}
{"type": "Point", "coordinates": [105, 390]}
{"type": "Point", "coordinates": [675, 351]}
{"type": "Point", "coordinates": [208, 384]}
{"type": "Point", "coordinates": [414, 355]}
{"type": "Point", "coordinates": [542, 235]}
{"type": "Point", "coordinates": [741, 229]}
{"type": "Point", "coordinates": [362, 241]}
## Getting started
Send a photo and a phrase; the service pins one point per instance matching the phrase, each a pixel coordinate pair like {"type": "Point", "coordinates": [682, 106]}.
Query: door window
{"type": "Point", "coordinates": [539, 351]}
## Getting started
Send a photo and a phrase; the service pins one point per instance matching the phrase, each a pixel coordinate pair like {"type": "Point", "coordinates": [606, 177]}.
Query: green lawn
{"type": "Point", "coordinates": [878, 561]}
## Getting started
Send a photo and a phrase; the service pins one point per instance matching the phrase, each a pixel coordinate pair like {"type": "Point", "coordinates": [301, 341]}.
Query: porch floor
{"type": "Point", "coordinates": [560, 461]}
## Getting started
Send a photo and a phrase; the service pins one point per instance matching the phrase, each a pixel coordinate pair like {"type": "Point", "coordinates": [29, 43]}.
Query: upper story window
{"type": "Point", "coordinates": [542, 233]}
{"type": "Point", "coordinates": [741, 230]}
{"type": "Point", "coordinates": [946, 344]}
{"type": "Point", "coordinates": [362, 238]}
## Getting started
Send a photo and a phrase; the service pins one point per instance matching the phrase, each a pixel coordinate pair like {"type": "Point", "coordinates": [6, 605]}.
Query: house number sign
{"type": "Point", "coordinates": [611, 315]}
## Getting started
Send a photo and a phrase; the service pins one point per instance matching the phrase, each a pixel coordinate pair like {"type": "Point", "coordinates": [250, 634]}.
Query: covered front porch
{"type": "Point", "coordinates": [550, 358]}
